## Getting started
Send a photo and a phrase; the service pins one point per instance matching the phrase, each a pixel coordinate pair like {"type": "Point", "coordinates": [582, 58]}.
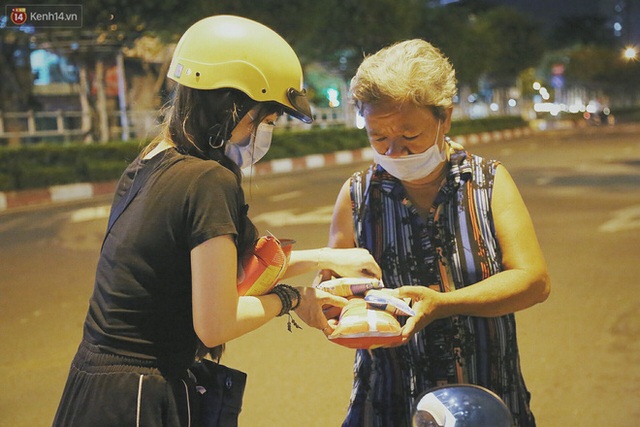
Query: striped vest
{"type": "Point", "coordinates": [454, 248]}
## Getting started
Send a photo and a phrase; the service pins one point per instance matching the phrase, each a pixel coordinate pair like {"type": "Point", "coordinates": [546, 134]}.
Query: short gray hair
{"type": "Point", "coordinates": [412, 70]}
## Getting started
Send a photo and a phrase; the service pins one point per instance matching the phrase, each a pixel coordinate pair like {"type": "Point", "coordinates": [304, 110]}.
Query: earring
{"type": "Point", "coordinates": [215, 141]}
{"type": "Point", "coordinates": [213, 145]}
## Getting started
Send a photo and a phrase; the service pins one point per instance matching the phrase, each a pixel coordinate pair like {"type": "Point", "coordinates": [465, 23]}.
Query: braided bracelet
{"type": "Point", "coordinates": [287, 294]}
{"type": "Point", "coordinates": [297, 295]}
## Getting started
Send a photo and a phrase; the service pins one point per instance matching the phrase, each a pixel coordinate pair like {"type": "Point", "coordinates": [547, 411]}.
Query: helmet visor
{"type": "Point", "coordinates": [300, 102]}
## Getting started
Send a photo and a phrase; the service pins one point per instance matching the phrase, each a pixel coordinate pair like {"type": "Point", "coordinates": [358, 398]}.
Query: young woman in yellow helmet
{"type": "Point", "coordinates": [166, 279]}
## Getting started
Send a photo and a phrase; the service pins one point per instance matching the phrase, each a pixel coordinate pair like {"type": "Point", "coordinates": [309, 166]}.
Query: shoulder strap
{"type": "Point", "coordinates": [141, 176]}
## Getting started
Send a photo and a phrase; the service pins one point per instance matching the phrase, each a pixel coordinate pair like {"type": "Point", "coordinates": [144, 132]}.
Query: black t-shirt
{"type": "Point", "coordinates": [141, 304]}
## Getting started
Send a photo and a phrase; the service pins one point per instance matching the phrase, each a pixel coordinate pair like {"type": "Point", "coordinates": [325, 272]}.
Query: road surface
{"type": "Point", "coordinates": [580, 350]}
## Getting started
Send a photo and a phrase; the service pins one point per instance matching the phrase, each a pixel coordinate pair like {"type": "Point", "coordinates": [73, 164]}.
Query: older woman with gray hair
{"type": "Point", "coordinates": [449, 230]}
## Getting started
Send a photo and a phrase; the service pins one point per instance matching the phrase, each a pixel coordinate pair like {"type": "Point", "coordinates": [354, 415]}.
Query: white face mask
{"type": "Point", "coordinates": [244, 154]}
{"type": "Point", "coordinates": [413, 166]}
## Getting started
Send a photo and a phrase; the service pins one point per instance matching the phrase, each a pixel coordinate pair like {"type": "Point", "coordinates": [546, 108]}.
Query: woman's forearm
{"type": "Point", "coordinates": [250, 313]}
{"type": "Point", "coordinates": [503, 293]}
{"type": "Point", "coordinates": [346, 262]}
{"type": "Point", "coordinates": [305, 261]}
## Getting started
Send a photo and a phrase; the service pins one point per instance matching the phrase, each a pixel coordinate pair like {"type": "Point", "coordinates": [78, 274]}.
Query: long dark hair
{"type": "Point", "coordinates": [198, 120]}
{"type": "Point", "coordinates": [199, 123]}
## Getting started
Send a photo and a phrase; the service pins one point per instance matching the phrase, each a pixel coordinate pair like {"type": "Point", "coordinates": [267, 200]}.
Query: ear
{"type": "Point", "coordinates": [446, 124]}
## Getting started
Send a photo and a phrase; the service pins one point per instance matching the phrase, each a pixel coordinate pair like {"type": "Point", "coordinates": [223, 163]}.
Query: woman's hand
{"type": "Point", "coordinates": [310, 308]}
{"type": "Point", "coordinates": [349, 262]}
{"type": "Point", "coordinates": [425, 303]}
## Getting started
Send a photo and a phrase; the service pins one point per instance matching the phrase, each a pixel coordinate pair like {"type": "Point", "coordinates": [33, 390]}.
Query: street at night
{"type": "Point", "coordinates": [580, 350]}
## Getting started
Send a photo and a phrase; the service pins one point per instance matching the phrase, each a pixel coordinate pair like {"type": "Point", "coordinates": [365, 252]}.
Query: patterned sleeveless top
{"type": "Point", "coordinates": [455, 248]}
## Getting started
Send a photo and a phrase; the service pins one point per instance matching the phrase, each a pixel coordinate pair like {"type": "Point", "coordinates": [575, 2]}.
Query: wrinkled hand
{"type": "Point", "coordinates": [425, 302]}
{"type": "Point", "coordinates": [351, 262]}
{"type": "Point", "coordinates": [310, 308]}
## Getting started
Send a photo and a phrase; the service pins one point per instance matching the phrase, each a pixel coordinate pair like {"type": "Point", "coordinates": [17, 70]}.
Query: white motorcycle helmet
{"type": "Point", "coordinates": [461, 405]}
{"type": "Point", "coordinates": [227, 51]}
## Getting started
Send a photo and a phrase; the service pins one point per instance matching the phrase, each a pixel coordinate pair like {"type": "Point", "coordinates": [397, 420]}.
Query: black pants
{"type": "Point", "coordinates": [114, 391]}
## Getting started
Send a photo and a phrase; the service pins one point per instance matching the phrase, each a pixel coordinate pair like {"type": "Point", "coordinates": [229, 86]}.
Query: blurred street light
{"type": "Point", "coordinates": [333, 97]}
{"type": "Point", "coordinates": [630, 53]}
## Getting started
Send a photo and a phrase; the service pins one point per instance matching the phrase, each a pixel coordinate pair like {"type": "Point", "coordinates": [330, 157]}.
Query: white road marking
{"type": "Point", "coordinates": [285, 196]}
{"type": "Point", "coordinates": [320, 215]}
{"type": "Point", "coordinates": [61, 193]}
{"type": "Point", "coordinates": [623, 219]}
{"type": "Point", "coordinates": [89, 214]}
{"type": "Point", "coordinates": [544, 180]}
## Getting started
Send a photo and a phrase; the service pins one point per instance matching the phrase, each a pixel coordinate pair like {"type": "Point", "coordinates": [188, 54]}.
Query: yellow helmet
{"type": "Point", "coordinates": [227, 51]}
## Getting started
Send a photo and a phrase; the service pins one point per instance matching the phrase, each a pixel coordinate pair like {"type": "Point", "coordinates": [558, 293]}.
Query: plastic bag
{"type": "Point", "coordinates": [350, 286]}
{"type": "Point", "coordinates": [365, 328]}
{"type": "Point", "coordinates": [369, 319]}
{"type": "Point", "coordinates": [265, 266]}
{"type": "Point", "coordinates": [389, 303]}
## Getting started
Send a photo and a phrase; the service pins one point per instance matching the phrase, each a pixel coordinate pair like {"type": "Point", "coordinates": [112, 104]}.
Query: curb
{"type": "Point", "coordinates": [312, 161]}
{"type": "Point", "coordinates": [83, 191]}
{"type": "Point", "coordinates": [54, 194]}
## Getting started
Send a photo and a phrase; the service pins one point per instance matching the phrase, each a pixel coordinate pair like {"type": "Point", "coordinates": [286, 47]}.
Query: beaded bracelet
{"type": "Point", "coordinates": [287, 294]}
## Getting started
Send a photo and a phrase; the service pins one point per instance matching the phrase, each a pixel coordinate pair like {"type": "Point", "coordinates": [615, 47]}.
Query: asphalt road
{"type": "Point", "coordinates": [580, 350]}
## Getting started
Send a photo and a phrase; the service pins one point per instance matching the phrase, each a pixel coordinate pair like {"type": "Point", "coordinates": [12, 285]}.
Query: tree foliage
{"type": "Point", "coordinates": [601, 66]}
{"type": "Point", "coordinates": [495, 44]}
{"type": "Point", "coordinates": [512, 43]}
{"type": "Point", "coordinates": [454, 30]}
{"type": "Point", "coordinates": [590, 55]}
{"type": "Point", "coordinates": [15, 71]}
{"type": "Point", "coordinates": [484, 42]}
{"type": "Point", "coordinates": [585, 30]}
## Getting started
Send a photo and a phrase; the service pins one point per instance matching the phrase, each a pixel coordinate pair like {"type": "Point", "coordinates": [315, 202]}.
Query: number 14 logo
{"type": "Point", "coordinates": [19, 15]}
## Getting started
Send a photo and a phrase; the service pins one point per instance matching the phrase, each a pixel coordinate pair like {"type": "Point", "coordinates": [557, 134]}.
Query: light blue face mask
{"type": "Point", "coordinates": [246, 153]}
{"type": "Point", "coordinates": [414, 166]}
